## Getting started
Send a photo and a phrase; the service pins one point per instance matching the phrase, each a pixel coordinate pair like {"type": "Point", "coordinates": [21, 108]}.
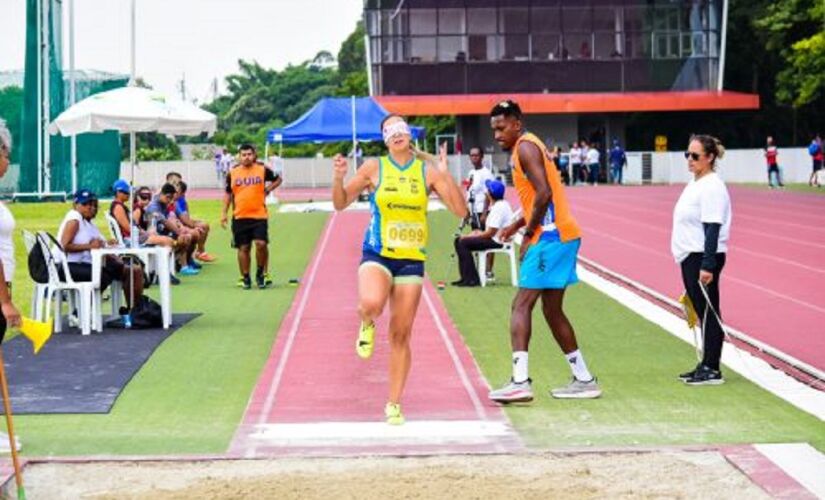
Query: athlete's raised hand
{"type": "Point", "coordinates": [340, 167]}
{"type": "Point", "coordinates": [442, 157]}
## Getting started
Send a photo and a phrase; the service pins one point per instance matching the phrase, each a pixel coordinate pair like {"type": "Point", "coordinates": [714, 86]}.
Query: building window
{"type": "Point", "coordinates": [393, 50]}
{"type": "Point", "coordinates": [513, 20]}
{"type": "Point", "coordinates": [481, 21]}
{"type": "Point", "coordinates": [482, 47]}
{"type": "Point", "coordinates": [514, 47]}
{"type": "Point", "coordinates": [452, 49]}
{"type": "Point", "coordinates": [607, 45]}
{"type": "Point", "coordinates": [637, 45]}
{"type": "Point", "coordinates": [393, 26]}
{"type": "Point", "coordinates": [575, 19]}
{"type": "Point", "coordinates": [545, 20]}
{"type": "Point", "coordinates": [666, 45]}
{"type": "Point", "coordinates": [422, 22]}
{"type": "Point", "coordinates": [606, 18]}
{"type": "Point", "coordinates": [546, 47]}
{"type": "Point", "coordinates": [578, 45]}
{"type": "Point", "coordinates": [451, 22]}
{"type": "Point", "coordinates": [373, 22]}
{"type": "Point", "coordinates": [422, 49]}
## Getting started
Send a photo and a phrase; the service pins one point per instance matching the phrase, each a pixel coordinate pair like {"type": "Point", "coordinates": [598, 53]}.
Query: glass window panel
{"type": "Point", "coordinates": [666, 45]}
{"type": "Point", "coordinates": [422, 49]}
{"type": "Point", "coordinates": [514, 47]}
{"type": "Point", "coordinates": [546, 47]}
{"type": "Point", "coordinates": [481, 21]}
{"type": "Point", "coordinates": [666, 19]}
{"type": "Point", "coordinates": [393, 26]}
{"type": "Point", "coordinates": [482, 47]}
{"type": "Point", "coordinates": [575, 19]}
{"type": "Point", "coordinates": [373, 22]}
{"type": "Point", "coordinates": [636, 18]}
{"type": "Point", "coordinates": [375, 50]}
{"type": "Point", "coordinates": [393, 50]}
{"type": "Point", "coordinates": [451, 22]}
{"type": "Point", "coordinates": [545, 20]}
{"type": "Point", "coordinates": [422, 21]}
{"type": "Point", "coordinates": [513, 20]}
{"type": "Point", "coordinates": [452, 49]}
{"type": "Point", "coordinates": [607, 45]}
{"type": "Point", "coordinates": [605, 18]}
{"type": "Point", "coordinates": [579, 45]}
{"type": "Point", "coordinates": [713, 43]}
{"type": "Point", "coordinates": [637, 45]}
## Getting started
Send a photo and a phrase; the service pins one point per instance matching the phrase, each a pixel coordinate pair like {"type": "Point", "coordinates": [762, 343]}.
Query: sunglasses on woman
{"type": "Point", "coordinates": [145, 196]}
{"type": "Point", "coordinates": [692, 156]}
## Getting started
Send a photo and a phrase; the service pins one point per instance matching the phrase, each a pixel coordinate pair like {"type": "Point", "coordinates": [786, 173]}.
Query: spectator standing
{"type": "Point", "coordinates": [771, 157]}
{"type": "Point", "coordinates": [618, 161]}
{"type": "Point", "coordinates": [699, 243]}
{"type": "Point", "coordinates": [477, 187]}
{"type": "Point", "coordinates": [815, 150]}
{"type": "Point", "coordinates": [576, 162]}
{"type": "Point", "coordinates": [563, 164]}
{"type": "Point", "coordinates": [592, 158]}
{"type": "Point", "coordinates": [219, 166]}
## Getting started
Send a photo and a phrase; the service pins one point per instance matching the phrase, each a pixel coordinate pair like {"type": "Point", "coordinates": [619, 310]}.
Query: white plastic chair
{"type": "Point", "coordinates": [508, 249]}
{"type": "Point", "coordinates": [114, 229]}
{"type": "Point", "coordinates": [80, 292]}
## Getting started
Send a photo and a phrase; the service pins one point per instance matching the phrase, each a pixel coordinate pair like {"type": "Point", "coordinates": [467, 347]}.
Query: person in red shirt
{"type": "Point", "coordinates": [771, 156]}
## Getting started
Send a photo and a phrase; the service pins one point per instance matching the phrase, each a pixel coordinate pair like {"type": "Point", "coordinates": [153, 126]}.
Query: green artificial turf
{"type": "Point", "coordinates": [798, 188]}
{"type": "Point", "coordinates": [636, 362]}
{"type": "Point", "coordinates": [191, 394]}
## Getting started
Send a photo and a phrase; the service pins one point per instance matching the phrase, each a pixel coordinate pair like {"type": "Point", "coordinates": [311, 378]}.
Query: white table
{"type": "Point", "coordinates": [161, 261]}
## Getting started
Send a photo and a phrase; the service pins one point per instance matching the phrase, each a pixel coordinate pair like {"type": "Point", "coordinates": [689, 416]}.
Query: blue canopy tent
{"type": "Point", "coordinates": [335, 119]}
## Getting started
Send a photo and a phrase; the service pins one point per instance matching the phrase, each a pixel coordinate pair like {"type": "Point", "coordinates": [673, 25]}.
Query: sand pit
{"type": "Point", "coordinates": [660, 474]}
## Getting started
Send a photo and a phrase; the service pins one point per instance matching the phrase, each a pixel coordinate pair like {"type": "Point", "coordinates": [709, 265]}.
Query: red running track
{"type": "Point", "coordinates": [772, 285]}
{"type": "Point", "coordinates": [314, 376]}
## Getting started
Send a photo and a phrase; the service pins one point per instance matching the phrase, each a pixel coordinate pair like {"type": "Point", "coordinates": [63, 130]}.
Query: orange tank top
{"type": "Point", "coordinates": [558, 223]}
{"type": "Point", "coordinates": [248, 191]}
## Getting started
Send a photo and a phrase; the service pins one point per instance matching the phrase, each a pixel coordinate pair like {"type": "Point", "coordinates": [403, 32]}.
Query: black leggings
{"type": "Point", "coordinates": [713, 333]}
{"type": "Point", "coordinates": [464, 248]}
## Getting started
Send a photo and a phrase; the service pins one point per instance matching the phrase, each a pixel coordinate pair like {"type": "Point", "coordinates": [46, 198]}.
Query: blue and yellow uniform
{"type": "Point", "coordinates": [396, 237]}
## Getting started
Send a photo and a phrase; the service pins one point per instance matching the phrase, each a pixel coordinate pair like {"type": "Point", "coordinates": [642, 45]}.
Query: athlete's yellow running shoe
{"type": "Point", "coordinates": [366, 341]}
{"type": "Point", "coordinates": [393, 414]}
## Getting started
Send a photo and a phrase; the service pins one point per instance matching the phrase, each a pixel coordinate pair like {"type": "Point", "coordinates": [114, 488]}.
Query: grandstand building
{"type": "Point", "coordinates": [579, 67]}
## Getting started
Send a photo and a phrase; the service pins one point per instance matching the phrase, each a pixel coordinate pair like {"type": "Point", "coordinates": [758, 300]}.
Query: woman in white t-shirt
{"type": "Point", "coordinates": [10, 315]}
{"type": "Point", "coordinates": [699, 242]}
{"type": "Point", "coordinates": [498, 217]}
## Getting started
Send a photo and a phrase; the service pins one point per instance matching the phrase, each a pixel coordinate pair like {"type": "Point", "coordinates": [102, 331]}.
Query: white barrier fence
{"type": "Point", "coordinates": [739, 165]}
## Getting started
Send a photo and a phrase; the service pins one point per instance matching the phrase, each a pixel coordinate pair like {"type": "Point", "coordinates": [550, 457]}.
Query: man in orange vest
{"type": "Point", "coordinates": [548, 257]}
{"type": "Point", "coordinates": [247, 185]}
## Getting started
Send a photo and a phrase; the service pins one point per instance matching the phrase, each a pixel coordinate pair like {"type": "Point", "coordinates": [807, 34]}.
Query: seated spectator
{"type": "Point", "coordinates": [497, 219]}
{"type": "Point", "coordinates": [199, 226]}
{"type": "Point", "coordinates": [156, 218]}
{"type": "Point", "coordinates": [120, 212]}
{"type": "Point", "coordinates": [78, 236]}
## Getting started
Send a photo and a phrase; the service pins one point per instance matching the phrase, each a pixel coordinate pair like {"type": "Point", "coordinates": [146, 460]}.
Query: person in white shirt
{"type": "Point", "coordinates": [699, 243]}
{"type": "Point", "coordinates": [592, 160]}
{"type": "Point", "coordinates": [78, 236]}
{"type": "Point", "coordinates": [10, 314]}
{"type": "Point", "coordinates": [477, 189]}
{"type": "Point", "coordinates": [498, 218]}
{"type": "Point", "coordinates": [575, 162]}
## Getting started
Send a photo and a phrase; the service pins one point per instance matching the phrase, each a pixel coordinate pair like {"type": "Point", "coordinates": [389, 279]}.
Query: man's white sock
{"type": "Point", "coordinates": [520, 366]}
{"type": "Point", "coordinates": [577, 365]}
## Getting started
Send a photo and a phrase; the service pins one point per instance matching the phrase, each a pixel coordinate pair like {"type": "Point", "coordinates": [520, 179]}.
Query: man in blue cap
{"type": "Point", "coordinates": [498, 217]}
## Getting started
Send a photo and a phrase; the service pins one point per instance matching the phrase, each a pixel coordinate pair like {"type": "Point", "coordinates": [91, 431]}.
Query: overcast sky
{"type": "Point", "coordinates": [202, 38]}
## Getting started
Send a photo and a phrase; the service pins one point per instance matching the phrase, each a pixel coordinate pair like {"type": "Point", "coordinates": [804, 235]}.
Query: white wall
{"type": "Point", "coordinates": [739, 165]}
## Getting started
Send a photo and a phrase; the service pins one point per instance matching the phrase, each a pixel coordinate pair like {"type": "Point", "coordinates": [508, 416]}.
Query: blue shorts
{"type": "Point", "coordinates": [549, 265]}
{"type": "Point", "coordinates": [400, 271]}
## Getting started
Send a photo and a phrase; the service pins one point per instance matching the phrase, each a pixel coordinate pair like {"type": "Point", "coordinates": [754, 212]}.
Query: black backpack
{"type": "Point", "coordinates": [147, 313]}
{"type": "Point", "coordinates": [38, 262]}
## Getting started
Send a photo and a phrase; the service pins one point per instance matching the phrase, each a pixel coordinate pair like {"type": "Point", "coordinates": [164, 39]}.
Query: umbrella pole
{"type": "Point", "coordinates": [132, 226]}
{"type": "Point", "coordinates": [354, 136]}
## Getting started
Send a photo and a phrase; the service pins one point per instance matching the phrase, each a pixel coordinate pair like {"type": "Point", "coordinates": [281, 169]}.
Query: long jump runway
{"type": "Point", "coordinates": [772, 285]}
{"type": "Point", "coordinates": [315, 397]}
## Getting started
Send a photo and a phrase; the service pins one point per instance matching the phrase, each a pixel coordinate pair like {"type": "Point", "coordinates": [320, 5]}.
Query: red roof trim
{"type": "Point", "coordinates": [480, 104]}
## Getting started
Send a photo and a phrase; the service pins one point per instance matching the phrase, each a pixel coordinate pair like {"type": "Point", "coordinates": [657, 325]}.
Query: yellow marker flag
{"type": "Point", "coordinates": [36, 331]}
{"type": "Point", "coordinates": [690, 313]}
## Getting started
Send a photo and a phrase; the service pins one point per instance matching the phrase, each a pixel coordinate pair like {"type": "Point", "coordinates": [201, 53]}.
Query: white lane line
{"type": "Point", "coordinates": [415, 432]}
{"type": "Point", "coordinates": [752, 368]}
{"type": "Point", "coordinates": [801, 461]}
{"type": "Point", "coordinates": [293, 330]}
{"type": "Point", "coordinates": [459, 368]}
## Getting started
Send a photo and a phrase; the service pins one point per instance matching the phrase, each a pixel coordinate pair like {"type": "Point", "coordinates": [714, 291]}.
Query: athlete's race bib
{"type": "Point", "coordinates": [406, 234]}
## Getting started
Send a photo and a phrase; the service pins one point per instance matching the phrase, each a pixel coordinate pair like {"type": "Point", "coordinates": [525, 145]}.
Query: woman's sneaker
{"type": "Point", "coordinates": [513, 392]}
{"type": "Point", "coordinates": [704, 375]}
{"type": "Point", "coordinates": [366, 341]}
{"type": "Point", "coordinates": [393, 414]}
{"type": "Point", "coordinates": [188, 271]}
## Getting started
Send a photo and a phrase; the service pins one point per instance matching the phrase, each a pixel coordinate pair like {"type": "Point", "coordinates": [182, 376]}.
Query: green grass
{"type": "Point", "coordinates": [798, 188]}
{"type": "Point", "coordinates": [191, 394]}
{"type": "Point", "coordinates": [636, 362]}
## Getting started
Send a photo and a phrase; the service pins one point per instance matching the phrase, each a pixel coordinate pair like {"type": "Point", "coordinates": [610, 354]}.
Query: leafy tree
{"type": "Point", "coordinates": [11, 108]}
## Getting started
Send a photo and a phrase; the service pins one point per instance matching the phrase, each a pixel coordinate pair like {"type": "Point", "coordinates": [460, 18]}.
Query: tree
{"type": "Point", "coordinates": [11, 108]}
{"type": "Point", "coordinates": [352, 57]}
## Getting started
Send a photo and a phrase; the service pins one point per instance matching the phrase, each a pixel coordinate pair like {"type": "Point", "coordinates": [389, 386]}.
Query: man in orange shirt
{"type": "Point", "coordinates": [247, 185]}
{"type": "Point", "coordinates": [548, 257]}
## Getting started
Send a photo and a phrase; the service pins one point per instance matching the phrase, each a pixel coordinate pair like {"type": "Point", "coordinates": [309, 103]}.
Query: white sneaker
{"type": "Point", "coordinates": [4, 443]}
